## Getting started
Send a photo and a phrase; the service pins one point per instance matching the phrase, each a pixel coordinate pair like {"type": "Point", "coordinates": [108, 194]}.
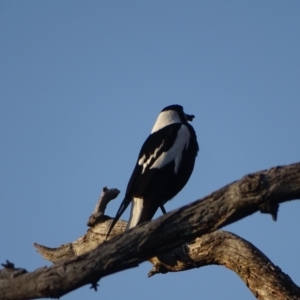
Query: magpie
{"type": "Point", "coordinates": [164, 165]}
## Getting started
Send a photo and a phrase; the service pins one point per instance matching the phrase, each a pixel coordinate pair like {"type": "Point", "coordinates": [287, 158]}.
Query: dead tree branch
{"type": "Point", "coordinates": [265, 280]}
{"type": "Point", "coordinates": [258, 191]}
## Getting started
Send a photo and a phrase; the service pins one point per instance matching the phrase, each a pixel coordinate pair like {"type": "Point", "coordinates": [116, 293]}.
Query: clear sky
{"type": "Point", "coordinates": [82, 83]}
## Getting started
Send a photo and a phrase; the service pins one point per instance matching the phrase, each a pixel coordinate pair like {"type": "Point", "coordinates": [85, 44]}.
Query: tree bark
{"type": "Point", "coordinates": [265, 280]}
{"type": "Point", "coordinates": [258, 191]}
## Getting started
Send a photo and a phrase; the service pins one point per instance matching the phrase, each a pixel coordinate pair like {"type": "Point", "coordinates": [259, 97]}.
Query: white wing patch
{"type": "Point", "coordinates": [145, 162]}
{"type": "Point", "coordinates": [175, 152]}
{"type": "Point", "coordinates": [136, 212]}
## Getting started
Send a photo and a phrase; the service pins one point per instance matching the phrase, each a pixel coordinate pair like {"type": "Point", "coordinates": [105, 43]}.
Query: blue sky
{"type": "Point", "coordinates": [82, 83]}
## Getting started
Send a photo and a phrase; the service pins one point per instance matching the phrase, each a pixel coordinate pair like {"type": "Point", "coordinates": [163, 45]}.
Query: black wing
{"type": "Point", "coordinates": [157, 143]}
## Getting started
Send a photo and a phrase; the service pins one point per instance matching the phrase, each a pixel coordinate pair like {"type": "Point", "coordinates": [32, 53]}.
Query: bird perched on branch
{"type": "Point", "coordinates": [164, 165]}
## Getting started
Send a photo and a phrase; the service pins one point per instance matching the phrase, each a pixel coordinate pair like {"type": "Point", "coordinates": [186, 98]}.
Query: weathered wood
{"type": "Point", "coordinates": [265, 280]}
{"type": "Point", "coordinates": [98, 214]}
{"type": "Point", "coordinates": [91, 240]}
{"type": "Point", "coordinates": [227, 205]}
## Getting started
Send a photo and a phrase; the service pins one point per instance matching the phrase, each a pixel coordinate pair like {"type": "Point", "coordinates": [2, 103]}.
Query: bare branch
{"type": "Point", "coordinates": [265, 280]}
{"type": "Point", "coordinates": [96, 234]}
{"type": "Point", "coordinates": [225, 206]}
{"type": "Point", "coordinates": [98, 214]}
{"type": "Point", "coordinates": [91, 240]}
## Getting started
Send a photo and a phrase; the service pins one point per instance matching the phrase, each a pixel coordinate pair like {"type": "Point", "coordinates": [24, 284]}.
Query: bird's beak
{"type": "Point", "coordinates": [189, 117]}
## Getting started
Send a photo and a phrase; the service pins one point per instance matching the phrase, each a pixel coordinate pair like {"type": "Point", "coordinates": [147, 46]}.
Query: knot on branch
{"type": "Point", "coordinates": [270, 208]}
{"type": "Point", "coordinates": [158, 268]}
{"type": "Point", "coordinates": [253, 184]}
{"type": "Point", "coordinates": [9, 271]}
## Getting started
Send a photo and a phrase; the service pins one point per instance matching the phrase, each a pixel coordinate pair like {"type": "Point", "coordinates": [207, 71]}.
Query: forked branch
{"type": "Point", "coordinates": [258, 191]}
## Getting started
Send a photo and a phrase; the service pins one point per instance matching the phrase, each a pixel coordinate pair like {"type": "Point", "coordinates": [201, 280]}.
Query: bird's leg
{"type": "Point", "coordinates": [163, 209]}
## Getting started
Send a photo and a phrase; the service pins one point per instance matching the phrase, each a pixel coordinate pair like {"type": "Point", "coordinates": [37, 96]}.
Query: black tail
{"type": "Point", "coordinates": [126, 201]}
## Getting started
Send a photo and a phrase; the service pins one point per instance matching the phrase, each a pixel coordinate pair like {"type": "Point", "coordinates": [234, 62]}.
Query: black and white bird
{"type": "Point", "coordinates": [164, 165]}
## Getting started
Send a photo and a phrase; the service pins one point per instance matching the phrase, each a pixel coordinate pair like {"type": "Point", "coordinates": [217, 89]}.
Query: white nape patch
{"type": "Point", "coordinates": [166, 118]}
{"type": "Point", "coordinates": [145, 162]}
{"type": "Point", "coordinates": [175, 152]}
{"type": "Point", "coordinates": [136, 212]}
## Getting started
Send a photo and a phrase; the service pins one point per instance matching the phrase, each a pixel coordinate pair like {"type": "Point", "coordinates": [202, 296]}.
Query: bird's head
{"type": "Point", "coordinates": [171, 114]}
